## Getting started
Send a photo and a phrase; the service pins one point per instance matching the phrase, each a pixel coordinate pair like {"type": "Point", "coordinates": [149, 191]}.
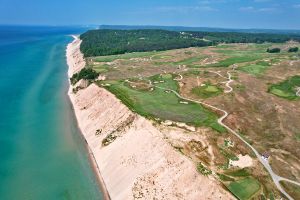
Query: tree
{"type": "Point", "coordinates": [273, 50]}
{"type": "Point", "coordinates": [293, 49]}
{"type": "Point", "coordinates": [85, 73]}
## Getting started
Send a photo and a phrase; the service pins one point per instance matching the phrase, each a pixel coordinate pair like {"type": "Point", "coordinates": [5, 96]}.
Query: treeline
{"type": "Point", "coordinates": [109, 42]}
{"type": "Point", "coordinates": [234, 37]}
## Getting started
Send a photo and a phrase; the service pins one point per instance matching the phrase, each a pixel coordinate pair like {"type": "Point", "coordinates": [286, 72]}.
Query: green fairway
{"type": "Point", "coordinates": [236, 59]}
{"type": "Point", "coordinates": [207, 90]}
{"type": "Point", "coordinates": [164, 105]}
{"type": "Point", "coordinates": [254, 69]}
{"type": "Point", "coordinates": [245, 188]}
{"type": "Point", "coordinates": [287, 88]}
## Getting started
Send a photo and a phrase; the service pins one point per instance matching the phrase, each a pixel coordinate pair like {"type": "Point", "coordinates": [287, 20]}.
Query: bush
{"type": "Point", "coordinates": [293, 49]}
{"type": "Point", "coordinates": [203, 170]}
{"type": "Point", "coordinates": [274, 50]}
{"type": "Point", "coordinates": [85, 73]}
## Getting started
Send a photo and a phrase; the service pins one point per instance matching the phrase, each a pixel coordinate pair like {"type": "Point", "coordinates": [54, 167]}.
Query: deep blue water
{"type": "Point", "coordinates": [42, 154]}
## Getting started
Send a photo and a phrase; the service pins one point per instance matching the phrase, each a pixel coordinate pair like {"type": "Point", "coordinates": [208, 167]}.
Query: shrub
{"type": "Point", "coordinates": [85, 73]}
{"type": "Point", "coordinates": [293, 49]}
{"type": "Point", "coordinates": [273, 50]}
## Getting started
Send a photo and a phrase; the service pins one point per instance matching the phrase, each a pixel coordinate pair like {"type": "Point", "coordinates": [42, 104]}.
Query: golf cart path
{"type": "Point", "coordinates": [227, 83]}
{"type": "Point", "coordinates": [276, 179]}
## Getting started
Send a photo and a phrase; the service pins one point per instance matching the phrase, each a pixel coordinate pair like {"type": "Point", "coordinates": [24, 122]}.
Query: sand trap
{"type": "Point", "coordinates": [244, 161]}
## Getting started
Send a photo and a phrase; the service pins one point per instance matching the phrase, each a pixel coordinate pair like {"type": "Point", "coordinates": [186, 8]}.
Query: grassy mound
{"type": "Point", "coordinates": [207, 90]}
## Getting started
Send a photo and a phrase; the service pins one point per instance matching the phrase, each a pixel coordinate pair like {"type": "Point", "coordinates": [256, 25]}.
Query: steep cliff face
{"type": "Point", "coordinates": [131, 154]}
{"type": "Point", "coordinates": [133, 158]}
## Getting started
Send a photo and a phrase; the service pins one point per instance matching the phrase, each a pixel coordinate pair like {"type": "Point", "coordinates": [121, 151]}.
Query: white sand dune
{"type": "Point", "coordinates": [139, 163]}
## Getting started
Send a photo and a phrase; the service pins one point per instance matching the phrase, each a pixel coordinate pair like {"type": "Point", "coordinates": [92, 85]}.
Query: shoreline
{"type": "Point", "coordinates": [140, 163]}
{"type": "Point", "coordinates": [91, 155]}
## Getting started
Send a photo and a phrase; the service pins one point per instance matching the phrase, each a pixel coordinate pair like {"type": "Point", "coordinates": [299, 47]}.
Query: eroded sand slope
{"type": "Point", "coordinates": [140, 163]}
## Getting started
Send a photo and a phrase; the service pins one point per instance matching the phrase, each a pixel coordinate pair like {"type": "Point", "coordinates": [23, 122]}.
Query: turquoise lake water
{"type": "Point", "coordinates": [42, 154]}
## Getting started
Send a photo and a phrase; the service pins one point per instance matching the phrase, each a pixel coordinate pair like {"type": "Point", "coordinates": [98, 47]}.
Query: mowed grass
{"type": "Point", "coordinates": [207, 90]}
{"type": "Point", "coordinates": [251, 53]}
{"type": "Point", "coordinates": [235, 60]}
{"type": "Point", "coordinates": [287, 88]}
{"type": "Point", "coordinates": [164, 105]}
{"type": "Point", "coordinates": [245, 188]}
{"type": "Point", "coordinates": [254, 69]}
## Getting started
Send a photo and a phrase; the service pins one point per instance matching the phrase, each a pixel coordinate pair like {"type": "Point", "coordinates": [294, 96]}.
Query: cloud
{"type": "Point", "coordinates": [185, 9]}
{"type": "Point", "coordinates": [253, 9]}
{"type": "Point", "coordinates": [248, 8]}
{"type": "Point", "coordinates": [266, 9]}
{"type": "Point", "coordinates": [215, 1]}
{"type": "Point", "coordinates": [261, 1]}
{"type": "Point", "coordinates": [296, 6]}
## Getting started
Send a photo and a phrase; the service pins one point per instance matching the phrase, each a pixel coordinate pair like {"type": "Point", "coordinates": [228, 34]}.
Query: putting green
{"type": "Point", "coordinates": [245, 188]}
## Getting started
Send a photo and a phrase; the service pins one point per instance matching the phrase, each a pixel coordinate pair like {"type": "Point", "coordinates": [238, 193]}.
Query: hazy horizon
{"type": "Point", "coordinates": [144, 25]}
{"type": "Point", "coordinates": [235, 14]}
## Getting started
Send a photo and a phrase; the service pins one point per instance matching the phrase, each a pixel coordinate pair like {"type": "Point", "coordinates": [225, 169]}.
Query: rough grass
{"type": "Point", "coordinates": [124, 56]}
{"type": "Point", "coordinates": [189, 61]}
{"type": "Point", "coordinates": [158, 57]}
{"type": "Point", "coordinates": [223, 177]}
{"type": "Point", "coordinates": [203, 170]}
{"type": "Point", "coordinates": [245, 188]}
{"type": "Point", "coordinates": [287, 88]}
{"type": "Point", "coordinates": [165, 106]}
{"type": "Point", "coordinates": [292, 189]}
{"type": "Point", "coordinates": [238, 173]}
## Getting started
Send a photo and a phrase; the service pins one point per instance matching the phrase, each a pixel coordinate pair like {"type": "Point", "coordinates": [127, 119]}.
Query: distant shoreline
{"type": "Point", "coordinates": [73, 68]}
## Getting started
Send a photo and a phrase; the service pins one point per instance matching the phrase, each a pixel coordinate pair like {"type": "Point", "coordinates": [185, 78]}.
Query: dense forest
{"type": "Point", "coordinates": [108, 42]}
{"type": "Point", "coordinates": [234, 37]}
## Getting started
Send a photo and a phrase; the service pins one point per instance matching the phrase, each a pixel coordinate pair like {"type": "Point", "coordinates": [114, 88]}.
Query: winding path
{"type": "Point", "coordinates": [227, 83]}
{"type": "Point", "coordinates": [178, 79]}
{"type": "Point", "coordinates": [276, 179]}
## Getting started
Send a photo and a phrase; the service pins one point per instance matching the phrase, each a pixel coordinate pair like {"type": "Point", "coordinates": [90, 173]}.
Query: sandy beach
{"type": "Point", "coordinates": [139, 163]}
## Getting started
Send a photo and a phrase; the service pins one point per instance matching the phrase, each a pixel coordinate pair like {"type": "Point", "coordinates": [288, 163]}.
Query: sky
{"type": "Point", "coordinates": [267, 14]}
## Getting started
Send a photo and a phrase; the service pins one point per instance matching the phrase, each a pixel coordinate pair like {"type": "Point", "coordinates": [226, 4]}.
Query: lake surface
{"type": "Point", "coordinates": [42, 154]}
